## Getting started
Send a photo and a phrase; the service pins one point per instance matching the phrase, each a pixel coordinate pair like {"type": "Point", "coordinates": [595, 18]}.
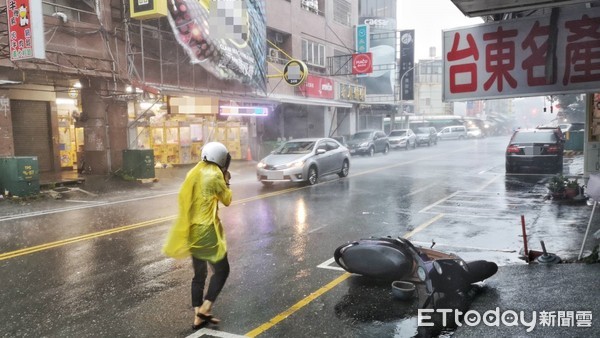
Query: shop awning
{"type": "Point", "coordinates": [310, 101]}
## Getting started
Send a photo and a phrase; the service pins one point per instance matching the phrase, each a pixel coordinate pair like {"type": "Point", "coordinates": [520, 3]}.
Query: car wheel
{"type": "Point", "coordinates": [371, 152]}
{"type": "Point", "coordinates": [429, 143]}
{"type": "Point", "coordinates": [313, 176]}
{"type": "Point", "coordinates": [415, 145]}
{"type": "Point", "coordinates": [407, 145]}
{"type": "Point", "coordinates": [386, 150]}
{"type": "Point", "coordinates": [345, 169]}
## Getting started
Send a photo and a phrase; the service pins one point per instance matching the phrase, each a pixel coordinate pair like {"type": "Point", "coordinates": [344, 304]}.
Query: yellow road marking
{"type": "Point", "coordinates": [46, 246]}
{"type": "Point", "coordinates": [29, 250]}
{"type": "Point", "coordinates": [264, 327]}
{"type": "Point", "coordinates": [294, 308]}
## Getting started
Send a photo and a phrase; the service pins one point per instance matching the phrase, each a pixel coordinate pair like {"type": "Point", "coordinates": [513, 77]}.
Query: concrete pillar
{"type": "Point", "coordinates": [117, 131]}
{"type": "Point", "coordinates": [7, 147]}
{"type": "Point", "coordinates": [104, 119]}
{"type": "Point", "coordinates": [95, 124]}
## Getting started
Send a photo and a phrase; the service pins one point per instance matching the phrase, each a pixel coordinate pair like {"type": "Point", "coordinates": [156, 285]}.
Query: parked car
{"type": "Point", "coordinates": [340, 139]}
{"type": "Point", "coordinates": [474, 132]}
{"type": "Point", "coordinates": [304, 160]}
{"type": "Point", "coordinates": [426, 135]}
{"type": "Point", "coordinates": [368, 142]}
{"type": "Point", "coordinates": [402, 138]}
{"type": "Point", "coordinates": [540, 148]}
{"type": "Point", "coordinates": [453, 133]}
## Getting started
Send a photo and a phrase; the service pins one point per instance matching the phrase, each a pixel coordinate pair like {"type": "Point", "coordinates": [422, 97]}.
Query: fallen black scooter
{"type": "Point", "coordinates": [397, 259]}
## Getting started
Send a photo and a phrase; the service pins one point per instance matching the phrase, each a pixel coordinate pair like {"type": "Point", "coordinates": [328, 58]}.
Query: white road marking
{"type": "Point", "coordinates": [428, 244]}
{"type": "Point", "coordinates": [89, 202]}
{"type": "Point", "coordinates": [59, 210]}
{"type": "Point", "coordinates": [438, 202]}
{"type": "Point", "coordinates": [204, 332]}
{"type": "Point", "coordinates": [327, 265]}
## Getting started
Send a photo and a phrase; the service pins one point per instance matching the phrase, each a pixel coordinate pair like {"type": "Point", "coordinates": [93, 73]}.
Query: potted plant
{"type": "Point", "coordinates": [572, 188]}
{"type": "Point", "coordinates": [557, 186]}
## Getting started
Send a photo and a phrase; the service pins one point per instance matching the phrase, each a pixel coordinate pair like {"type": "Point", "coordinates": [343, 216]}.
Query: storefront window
{"type": "Point", "coordinates": [172, 136]}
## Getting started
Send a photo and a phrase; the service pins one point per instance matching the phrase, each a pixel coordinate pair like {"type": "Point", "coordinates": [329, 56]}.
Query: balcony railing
{"type": "Point", "coordinates": [67, 13]}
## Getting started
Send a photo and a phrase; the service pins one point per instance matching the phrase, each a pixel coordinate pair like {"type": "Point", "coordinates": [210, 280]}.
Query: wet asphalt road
{"type": "Point", "coordinates": [91, 265]}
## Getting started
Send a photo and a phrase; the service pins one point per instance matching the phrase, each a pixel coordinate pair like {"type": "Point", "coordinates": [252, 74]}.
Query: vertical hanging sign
{"type": "Point", "coordinates": [25, 29]}
{"type": "Point", "coordinates": [362, 38]}
{"type": "Point", "coordinates": [407, 63]}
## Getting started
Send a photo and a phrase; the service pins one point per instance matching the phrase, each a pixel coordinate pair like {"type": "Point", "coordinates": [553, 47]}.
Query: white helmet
{"type": "Point", "coordinates": [216, 153]}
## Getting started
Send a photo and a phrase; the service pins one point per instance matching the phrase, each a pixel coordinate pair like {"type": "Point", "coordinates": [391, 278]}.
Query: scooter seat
{"type": "Point", "coordinates": [376, 258]}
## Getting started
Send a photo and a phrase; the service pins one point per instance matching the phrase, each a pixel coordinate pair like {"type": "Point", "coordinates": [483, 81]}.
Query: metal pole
{"type": "Point", "coordinates": [587, 231]}
{"type": "Point", "coordinates": [524, 239]}
{"type": "Point", "coordinates": [402, 91]}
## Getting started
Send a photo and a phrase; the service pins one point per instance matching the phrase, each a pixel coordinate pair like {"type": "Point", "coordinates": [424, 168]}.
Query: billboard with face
{"type": "Point", "coordinates": [227, 38]}
{"type": "Point", "coordinates": [383, 49]}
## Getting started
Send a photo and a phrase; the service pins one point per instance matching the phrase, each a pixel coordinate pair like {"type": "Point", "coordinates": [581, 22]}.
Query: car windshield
{"type": "Point", "coordinates": [534, 137]}
{"type": "Point", "coordinates": [362, 135]}
{"type": "Point", "coordinates": [296, 147]}
{"type": "Point", "coordinates": [398, 133]}
{"type": "Point", "coordinates": [423, 130]}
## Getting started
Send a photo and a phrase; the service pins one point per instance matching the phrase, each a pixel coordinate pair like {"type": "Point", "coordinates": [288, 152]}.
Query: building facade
{"type": "Point", "coordinates": [110, 82]}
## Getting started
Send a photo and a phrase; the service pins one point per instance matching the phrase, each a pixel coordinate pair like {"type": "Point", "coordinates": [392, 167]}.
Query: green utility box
{"type": "Point", "coordinates": [19, 175]}
{"type": "Point", "coordinates": [574, 140]}
{"type": "Point", "coordinates": [139, 163]}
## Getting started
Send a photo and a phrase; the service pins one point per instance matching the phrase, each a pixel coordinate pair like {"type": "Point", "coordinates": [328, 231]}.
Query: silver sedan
{"type": "Point", "coordinates": [304, 160]}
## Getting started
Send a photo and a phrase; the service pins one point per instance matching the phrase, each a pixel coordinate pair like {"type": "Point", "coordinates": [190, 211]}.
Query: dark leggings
{"type": "Point", "coordinates": [220, 271]}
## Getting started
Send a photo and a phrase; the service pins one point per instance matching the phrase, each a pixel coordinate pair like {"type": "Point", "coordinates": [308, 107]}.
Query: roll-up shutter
{"type": "Point", "coordinates": [31, 131]}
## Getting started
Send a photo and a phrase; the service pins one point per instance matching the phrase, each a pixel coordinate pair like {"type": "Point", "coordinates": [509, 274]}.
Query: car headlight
{"type": "Point", "coordinates": [421, 273]}
{"type": "Point", "coordinates": [261, 165]}
{"type": "Point", "coordinates": [364, 144]}
{"type": "Point", "coordinates": [296, 164]}
{"type": "Point", "coordinates": [438, 267]}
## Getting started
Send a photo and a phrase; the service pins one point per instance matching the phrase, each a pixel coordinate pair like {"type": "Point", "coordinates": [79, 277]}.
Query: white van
{"type": "Point", "coordinates": [453, 133]}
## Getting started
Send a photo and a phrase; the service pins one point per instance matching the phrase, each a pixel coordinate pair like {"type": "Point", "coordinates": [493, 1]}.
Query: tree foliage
{"type": "Point", "coordinates": [571, 107]}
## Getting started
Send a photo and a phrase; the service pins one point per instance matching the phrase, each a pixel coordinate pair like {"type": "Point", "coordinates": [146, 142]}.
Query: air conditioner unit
{"type": "Point", "coordinates": [274, 53]}
{"type": "Point", "coordinates": [312, 5]}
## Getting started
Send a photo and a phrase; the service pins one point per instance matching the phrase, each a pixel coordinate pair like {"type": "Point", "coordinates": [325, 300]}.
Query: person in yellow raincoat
{"type": "Point", "coordinates": [198, 231]}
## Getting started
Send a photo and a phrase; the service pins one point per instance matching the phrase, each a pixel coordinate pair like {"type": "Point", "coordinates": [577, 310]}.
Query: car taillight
{"type": "Point", "coordinates": [552, 149]}
{"type": "Point", "coordinates": [513, 150]}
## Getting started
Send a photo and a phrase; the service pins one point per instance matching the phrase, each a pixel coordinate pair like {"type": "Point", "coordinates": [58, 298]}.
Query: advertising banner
{"type": "Point", "coordinates": [25, 29]}
{"type": "Point", "coordinates": [383, 49]}
{"type": "Point", "coordinates": [227, 38]}
{"type": "Point", "coordinates": [510, 58]}
{"type": "Point", "coordinates": [407, 64]}
{"type": "Point", "coordinates": [317, 86]}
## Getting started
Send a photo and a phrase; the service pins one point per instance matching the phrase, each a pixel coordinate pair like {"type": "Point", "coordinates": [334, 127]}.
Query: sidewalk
{"type": "Point", "coordinates": [165, 178]}
{"type": "Point", "coordinates": [558, 300]}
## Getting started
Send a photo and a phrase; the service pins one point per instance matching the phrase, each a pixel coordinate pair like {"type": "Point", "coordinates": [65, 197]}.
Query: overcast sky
{"type": "Point", "coordinates": [428, 18]}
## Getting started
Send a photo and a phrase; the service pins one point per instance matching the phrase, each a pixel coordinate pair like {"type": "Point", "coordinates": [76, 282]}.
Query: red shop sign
{"type": "Point", "coordinates": [362, 63]}
{"type": "Point", "coordinates": [316, 86]}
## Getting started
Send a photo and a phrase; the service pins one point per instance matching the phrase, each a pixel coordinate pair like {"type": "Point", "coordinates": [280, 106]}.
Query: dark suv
{"type": "Point", "coordinates": [426, 135]}
{"type": "Point", "coordinates": [540, 148]}
{"type": "Point", "coordinates": [368, 142]}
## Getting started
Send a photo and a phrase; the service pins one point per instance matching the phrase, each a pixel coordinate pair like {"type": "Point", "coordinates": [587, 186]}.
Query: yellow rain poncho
{"type": "Point", "coordinates": [198, 230]}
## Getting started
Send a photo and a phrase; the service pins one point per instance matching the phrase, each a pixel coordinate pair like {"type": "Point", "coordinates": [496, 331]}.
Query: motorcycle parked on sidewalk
{"type": "Point", "coordinates": [398, 260]}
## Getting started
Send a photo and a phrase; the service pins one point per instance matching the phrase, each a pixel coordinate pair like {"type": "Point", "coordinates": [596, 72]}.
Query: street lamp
{"type": "Point", "coordinates": [402, 91]}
